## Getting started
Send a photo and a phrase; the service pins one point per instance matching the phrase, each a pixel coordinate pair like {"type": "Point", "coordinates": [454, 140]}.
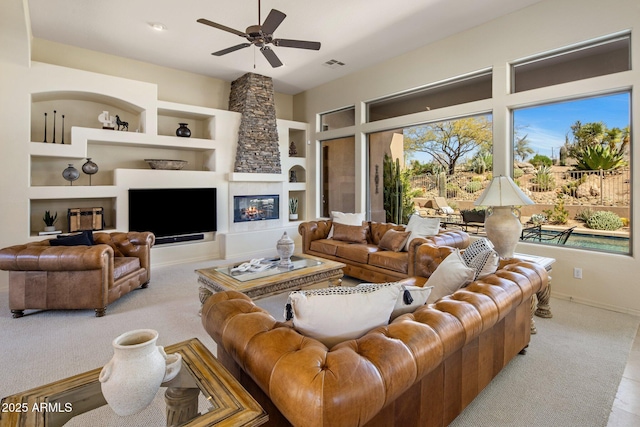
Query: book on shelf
{"type": "Point", "coordinates": [47, 233]}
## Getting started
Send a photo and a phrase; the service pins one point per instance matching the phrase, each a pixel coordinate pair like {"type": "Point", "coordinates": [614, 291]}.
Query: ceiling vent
{"type": "Point", "coordinates": [333, 63]}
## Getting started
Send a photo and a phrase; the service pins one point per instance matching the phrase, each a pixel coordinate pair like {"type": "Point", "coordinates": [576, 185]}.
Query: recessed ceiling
{"type": "Point", "coordinates": [357, 33]}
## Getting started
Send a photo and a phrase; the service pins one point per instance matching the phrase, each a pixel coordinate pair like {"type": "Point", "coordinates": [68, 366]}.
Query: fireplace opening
{"type": "Point", "coordinates": [256, 208]}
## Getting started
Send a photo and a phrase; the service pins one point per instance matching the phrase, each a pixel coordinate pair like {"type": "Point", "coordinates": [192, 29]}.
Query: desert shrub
{"type": "Point", "coordinates": [543, 179]}
{"type": "Point", "coordinates": [541, 160]}
{"type": "Point", "coordinates": [604, 220]}
{"type": "Point", "coordinates": [584, 214]}
{"type": "Point", "coordinates": [517, 173]}
{"type": "Point", "coordinates": [452, 190]}
{"type": "Point", "coordinates": [538, 218]}
{"type": "Point", "coordinates": [478, 178]}
{"type": "Point", "coordinates": [559, 214]}
{"type": "Point", "coordinates": [473, 187]}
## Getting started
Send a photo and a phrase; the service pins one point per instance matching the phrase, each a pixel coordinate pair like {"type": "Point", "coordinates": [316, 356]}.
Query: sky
{"type": "Point", "coordinates": [547, 125]}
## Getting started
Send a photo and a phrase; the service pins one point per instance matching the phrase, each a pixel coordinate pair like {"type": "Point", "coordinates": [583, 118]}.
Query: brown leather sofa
{"type": "Point", "coordinates": [42, 276]}
{"type": "Point", "coordinates": [366, 261]}
{"type": "Point", "coordinates": [422, 369]}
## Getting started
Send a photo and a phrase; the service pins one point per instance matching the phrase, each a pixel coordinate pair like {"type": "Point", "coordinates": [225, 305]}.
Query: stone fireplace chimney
{"type": "Point", "coordinates": [258, 151]}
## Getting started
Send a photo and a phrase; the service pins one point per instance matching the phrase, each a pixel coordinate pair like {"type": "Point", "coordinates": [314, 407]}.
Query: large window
{"type": "Point", "coordinates": [573, 159]}
{"type": "Point", "coordinates": [410, 167]}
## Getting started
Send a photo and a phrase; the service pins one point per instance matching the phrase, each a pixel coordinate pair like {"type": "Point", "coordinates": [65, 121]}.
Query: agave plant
{"type": "Point", "coordinates": [48, 219]}
{"type": "Point", "coordinates": [600, 157]}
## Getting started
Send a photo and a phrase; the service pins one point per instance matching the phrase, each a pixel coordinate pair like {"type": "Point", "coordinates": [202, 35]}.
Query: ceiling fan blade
{"type": "Point", "coordinates": [231, 49]}
{"type": "Point", "coordinates": [271, 56]}
{"type": "Point", "coordinates": [300, 44]}
{"type": "Point", "coordinates": [274, 19]}
{"type": "Point", "coordinates": [221, 27]}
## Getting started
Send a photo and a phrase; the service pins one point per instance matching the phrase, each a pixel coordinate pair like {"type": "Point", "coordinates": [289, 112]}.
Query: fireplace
{"type": "Point", "coordinates": [256, 208]}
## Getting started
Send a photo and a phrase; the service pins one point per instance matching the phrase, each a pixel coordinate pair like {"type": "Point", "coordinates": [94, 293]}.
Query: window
{"type": "Point", "coordinates": [338, 119]}
{"type": "Point", "coordinates": [572, 158]}
{"type": "Point", "coordinates": [444, 94]}
{"type": "Point", "coordinates": [595, 59]}
{"type": "Point", "coordinates": [451, 159]}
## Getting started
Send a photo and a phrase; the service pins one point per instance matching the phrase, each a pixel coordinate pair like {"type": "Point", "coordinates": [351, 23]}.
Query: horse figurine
{"type": "Point", "coordinates": [125, 125]}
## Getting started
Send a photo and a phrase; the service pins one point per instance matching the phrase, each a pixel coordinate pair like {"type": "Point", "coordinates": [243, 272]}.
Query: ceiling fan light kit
{"type": "Point", "coordinates": [261, 36]}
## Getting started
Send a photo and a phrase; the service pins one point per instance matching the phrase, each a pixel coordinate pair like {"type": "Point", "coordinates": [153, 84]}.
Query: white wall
{"type": "Point", "coordinates": [142, 85]}
{"type": "Point", "coordinates": [609, 280]}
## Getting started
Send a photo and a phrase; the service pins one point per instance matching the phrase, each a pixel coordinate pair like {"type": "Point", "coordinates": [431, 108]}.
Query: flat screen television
{"type": "Point", "coordinates": [173, 211]}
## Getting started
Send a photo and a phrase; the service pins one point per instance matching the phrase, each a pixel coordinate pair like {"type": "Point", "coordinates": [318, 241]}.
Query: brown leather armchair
{"type": "Point", "coordinates": [46, 277]}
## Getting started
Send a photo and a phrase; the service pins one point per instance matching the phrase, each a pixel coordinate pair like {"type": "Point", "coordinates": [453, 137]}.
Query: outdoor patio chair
{"type": "Point", "coordinates": [441, 206]}
{"type": "Point", "coordinates": [536, 233]}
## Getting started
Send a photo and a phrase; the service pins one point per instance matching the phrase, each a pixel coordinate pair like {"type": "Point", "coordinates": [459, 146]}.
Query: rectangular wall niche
{"type": "Point", "coordinates": [256, 208]}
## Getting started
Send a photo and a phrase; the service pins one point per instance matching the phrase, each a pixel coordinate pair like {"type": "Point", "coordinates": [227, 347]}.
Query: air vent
{"type": "Point", "coordinates": [334, 63]}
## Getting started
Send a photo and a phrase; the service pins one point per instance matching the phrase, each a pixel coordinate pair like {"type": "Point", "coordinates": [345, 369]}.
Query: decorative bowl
{"type": "Point", "coordinates": [166, 164]}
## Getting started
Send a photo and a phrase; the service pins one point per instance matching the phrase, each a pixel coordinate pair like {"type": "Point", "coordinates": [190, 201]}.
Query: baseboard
{"type": "Point", "coordinates": [595, 304]}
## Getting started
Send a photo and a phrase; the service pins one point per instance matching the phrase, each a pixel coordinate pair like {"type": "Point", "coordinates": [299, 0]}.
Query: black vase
{"type": "Point", "coordinates": [183, 130]}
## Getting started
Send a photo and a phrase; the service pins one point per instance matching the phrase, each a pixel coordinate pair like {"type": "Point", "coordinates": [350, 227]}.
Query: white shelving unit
{"type": "Point", "coordinates": [210, 152]}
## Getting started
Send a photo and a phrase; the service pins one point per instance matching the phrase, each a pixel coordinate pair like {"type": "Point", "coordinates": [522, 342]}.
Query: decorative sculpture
{"type": "Point", "coordinates": [106, 120]}
{"type": "Point", "coordinates": [121, 124]}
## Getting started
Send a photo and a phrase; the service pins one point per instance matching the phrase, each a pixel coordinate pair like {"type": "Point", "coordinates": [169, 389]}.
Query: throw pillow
{"type": "Point", "coordinates": [421, 227]}
{"type": "Point", "coordinates": [481, 256]}
{"type": "Point", "coordinates": [73, 240]}
{"type": "Point", "coordinates": [350, 233]}
{"type": "Point", "coordinates": [451, 275]}
{"type": "Point", "coordinates": [485, 263]}
{"type": "Point", "coordinates": [340, 313]}
{"type": "Point", "coordinates": [345, 218]}
{"type": "Point", "coordinates": [409, 298]}
{"type": "Point", "coordinates": [394, 240]}
{"type": "Point", "coordinates": [475, 248]}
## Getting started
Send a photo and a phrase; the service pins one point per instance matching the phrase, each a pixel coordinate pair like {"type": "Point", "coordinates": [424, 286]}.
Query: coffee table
{"type": "Point", "coordinates": [204, 393]}
{"type": "Point", "coordinates": [306, 271]}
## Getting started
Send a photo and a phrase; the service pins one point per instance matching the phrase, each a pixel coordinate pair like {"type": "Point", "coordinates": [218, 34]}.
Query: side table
{"type": "Point", "coordinates": [541, 308]}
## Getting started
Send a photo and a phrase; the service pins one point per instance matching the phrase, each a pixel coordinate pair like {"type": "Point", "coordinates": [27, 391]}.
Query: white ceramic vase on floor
{"type": "Point", "coordinates": [131, 379]}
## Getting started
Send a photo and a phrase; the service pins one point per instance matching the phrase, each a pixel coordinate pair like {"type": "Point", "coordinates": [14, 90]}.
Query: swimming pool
{"type": "Point", "coordinates": [594, 241]}
{"type": "Point", "coordinates": [604, 243]}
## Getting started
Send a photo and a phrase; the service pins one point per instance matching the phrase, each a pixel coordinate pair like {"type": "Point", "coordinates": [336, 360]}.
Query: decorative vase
{"type": "Point", "coordinates": [70, 174]}
{"type": "Point", "coordinates": [183, 130]}
{"type": "Point", "coordinates": [285, 247]}
{"type": "Point", "coordinates": [50, 228]}
{"type": "Point", "coordinates": [503, 229]}
{"type": "Point", "coordinates": [90, 168]}
{"type": "Point", "coordinates": [293, 216]}
{"type": "Point", "coordinates": [131, 379]}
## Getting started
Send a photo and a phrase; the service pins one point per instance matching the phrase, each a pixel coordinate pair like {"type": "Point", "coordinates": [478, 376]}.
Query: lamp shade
{"type": "Point", "coordinates": [503, 192]}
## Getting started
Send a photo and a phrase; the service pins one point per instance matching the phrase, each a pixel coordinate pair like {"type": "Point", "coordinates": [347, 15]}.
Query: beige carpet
{"type": "Point", "coordinates": [569, 376]}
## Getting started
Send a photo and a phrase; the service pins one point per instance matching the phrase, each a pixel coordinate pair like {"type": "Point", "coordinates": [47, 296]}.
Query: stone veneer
{"type": "Point", "coordinates": [258, 150]}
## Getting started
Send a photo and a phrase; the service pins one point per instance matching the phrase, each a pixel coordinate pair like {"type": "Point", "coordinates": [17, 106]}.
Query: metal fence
{"type": "Point", "coordinates": [596, 188]}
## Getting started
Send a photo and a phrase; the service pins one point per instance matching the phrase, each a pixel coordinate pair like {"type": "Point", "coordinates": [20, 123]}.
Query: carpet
{"type": "Point", "coordinates": [568, 377]}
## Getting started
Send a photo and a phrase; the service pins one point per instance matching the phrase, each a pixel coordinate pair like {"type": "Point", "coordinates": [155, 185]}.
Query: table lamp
{"type": "Point", "coordinates": [502, 223]}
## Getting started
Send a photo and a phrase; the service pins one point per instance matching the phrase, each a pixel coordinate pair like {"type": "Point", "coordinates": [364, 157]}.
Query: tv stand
{"type": "Point", "coordinates": [177, 239]}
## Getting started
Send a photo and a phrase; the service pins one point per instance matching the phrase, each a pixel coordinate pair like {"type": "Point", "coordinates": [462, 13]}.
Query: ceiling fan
{"type": "Point", "coordinates": [261, 36]}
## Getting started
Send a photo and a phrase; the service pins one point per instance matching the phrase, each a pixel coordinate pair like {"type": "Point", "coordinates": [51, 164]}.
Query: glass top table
{"type": "Point", "coordinates": [204, 393]}
{"type": "Point", "coordinates": [306, 271]}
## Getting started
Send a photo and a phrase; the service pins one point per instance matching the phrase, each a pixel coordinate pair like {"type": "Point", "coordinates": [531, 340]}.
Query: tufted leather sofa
{"type": "Point", "coordinates": [42, 276]}
{"type": "Point", "coordinates": [422, 370]}
{"type": "Point", "coordinates": [366, 261]}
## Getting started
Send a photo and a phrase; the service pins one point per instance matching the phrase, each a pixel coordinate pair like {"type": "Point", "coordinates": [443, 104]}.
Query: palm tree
{"type": "Point", "coordinates": [521, 148]}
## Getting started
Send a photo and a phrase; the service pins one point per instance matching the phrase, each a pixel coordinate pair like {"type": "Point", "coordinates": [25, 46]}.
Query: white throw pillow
{"type": "Point", "coordinates": [346, 219]}
{"type": "Point", "coordinates": [340, 313]}
{"type": "Point", "coordinates": [421, 227]}
{"type": "Point", "coordinates": [451, 275]}
{"type": "Point", "coordinates": [409, 298]}
{"type": "Point", "coordinates": [481, 256]}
